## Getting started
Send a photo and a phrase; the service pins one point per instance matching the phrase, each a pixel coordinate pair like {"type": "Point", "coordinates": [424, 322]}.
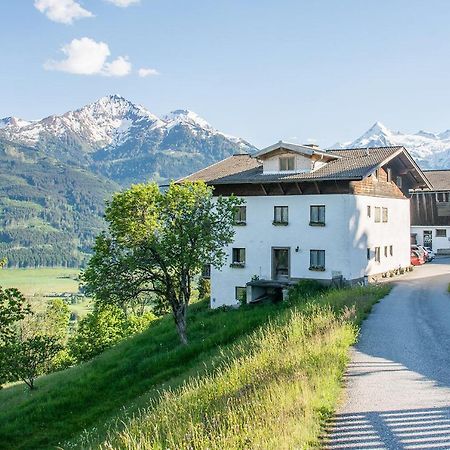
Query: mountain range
{"type": "Point", "coordinates": [56, 173]}
{"type": "Point", "coordinates": [430, 150]}
{"type": "Point", "coordinates": [125, 142]}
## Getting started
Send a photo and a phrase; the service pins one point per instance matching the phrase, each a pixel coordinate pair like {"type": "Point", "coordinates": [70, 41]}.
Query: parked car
{"type": "Point", "coordinates": [431, 254]}
{"type": "Point", "coordinates": [416, 259]}
{"type": "Point", "coordinates": [421, 251]}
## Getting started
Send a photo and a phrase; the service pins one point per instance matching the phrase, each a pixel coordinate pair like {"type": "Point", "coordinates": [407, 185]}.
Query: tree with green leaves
{"type": "Point", "coordinates": [27, 359]}
{"type": "Point", "coordinates": [13, 308]}
{"type": "Point", "coordinates": [157, 243]}
{"type": "Point", "coordinates": [104, 327]}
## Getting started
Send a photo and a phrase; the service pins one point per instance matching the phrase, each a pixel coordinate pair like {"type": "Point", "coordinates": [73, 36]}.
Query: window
{"type": "Point", "coordinates": [385, 251]}
{"type": "Point", "coordinates": [369, 212]}
{"type": "Point", "coordinates": [240, 294]}
{"type": "Point", "coordinates": [317, 215]}
{"type": "Point", "coordinates": [377, 214]}
{"type": "Point", "coordinates": [240, 215]}
{"type": "Point", "coordinates": [280, 215]}
{"type": "Point", "coordinates": [317, 260]}
{"type": "Point", "coordinates": [369, 256]}
{"type": "Point", "coordinates": [287, 163]}
{"type": "Point", "coordinates": [399, 181]}
{"type": "Point", "coordinates": [391, 250]}
{"type": "Point", "coordinates": [206, 271]}
{"type": "Point", "coordinates": [377, 254]}
{"type": "Point", "coordinates": [385, 215]}
{"type": "Point", "coordinates": [442, 197]}
{"type": "Point", "coordinates": [376, 174]}
{"type": "Point", "coordinates": [441, 232]}
{"type": "Point", "coordinates": [389, 174]}
{"type": "Point", "coordinates": [238, 257]}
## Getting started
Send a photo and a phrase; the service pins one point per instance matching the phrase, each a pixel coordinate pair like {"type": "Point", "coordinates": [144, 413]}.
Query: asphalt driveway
{"type": "Point", "coordinates": [398, 381]}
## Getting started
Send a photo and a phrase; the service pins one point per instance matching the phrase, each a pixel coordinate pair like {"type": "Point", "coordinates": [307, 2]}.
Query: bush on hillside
{"type": "Point", "coordinates": [102, 329]}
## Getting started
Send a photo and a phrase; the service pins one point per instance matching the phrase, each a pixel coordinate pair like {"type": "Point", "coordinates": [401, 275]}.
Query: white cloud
{"type": "Point", "coordinates": [63, 11]}
{"type": "Point", "coordinates": [117, 68]}
{"type": "Point", "coordinates": [87, 57]}
{"type": "Point", "coordinates": [123, 3]}
{"type": "Point", "coordinates": [143, 72]}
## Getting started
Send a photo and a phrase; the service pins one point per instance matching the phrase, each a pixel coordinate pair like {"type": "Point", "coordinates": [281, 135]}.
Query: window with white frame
{"type": "Point", "coordinates": [317, 215]}
{"type": "Point", "coordinates": [317, 260]}
{"type": "Point", "coordinates": [280, 215]}
{"type": "Point", "coordinates": [391, 250]}
{"type": "Point", "coordinates": [206, 271]}
{"type": "Point", "coordinates": [287, 163]}
{"type": "Point", "coordinates": [369, 211]}
{"type": "Point", "coordinates": [385, 214]}
{"type": "Point", "coordinates": [377, 214]}
{"type": "Point", "coordinates": [238, 257]}
{"type": "Point", "coordinates": [377, 254]}
{"type": "Point", "coordinates": [441, 232]}
{"type": "Point", "coordinates": [240, 215]}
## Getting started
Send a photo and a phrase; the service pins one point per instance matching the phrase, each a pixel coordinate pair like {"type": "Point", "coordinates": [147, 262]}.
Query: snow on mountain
{"type": "Point", "coordinates": [96, 125]}
{"type": "Point", "coordinates": [430, 150]}
{"type": "Point", "coordinates": [13, 122]}
{"type": "Point", "coordinates": [186, 117]}
{"type": "Point", "coordinates": [125, 141]}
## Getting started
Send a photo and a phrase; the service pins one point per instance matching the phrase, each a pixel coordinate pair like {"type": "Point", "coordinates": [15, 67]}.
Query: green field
{"type": "Point", "coordinates": [40, 281]}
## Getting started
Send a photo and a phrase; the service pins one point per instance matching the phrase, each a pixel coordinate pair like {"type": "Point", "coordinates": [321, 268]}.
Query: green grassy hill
{"type": "Point", "coordinates": [49, 212]}
{"type": "Point", "coordinates": [261, 372]}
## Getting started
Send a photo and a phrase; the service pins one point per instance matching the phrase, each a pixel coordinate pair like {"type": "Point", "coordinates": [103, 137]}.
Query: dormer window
{"type": "Point", "coordinates": [287, 163]}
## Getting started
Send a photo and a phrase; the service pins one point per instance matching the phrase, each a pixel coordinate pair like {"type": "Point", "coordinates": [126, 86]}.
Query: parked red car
{"type": "Point", "coordinates": [416, 258]}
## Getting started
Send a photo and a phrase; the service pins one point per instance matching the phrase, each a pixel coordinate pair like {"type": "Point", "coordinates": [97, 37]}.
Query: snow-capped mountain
{"type": "Point", "coordinates": [430, 150]}
{"type": "Point", "coordinates": [13, 122]}
{"type": "Point", "coordinates": [125, 141]}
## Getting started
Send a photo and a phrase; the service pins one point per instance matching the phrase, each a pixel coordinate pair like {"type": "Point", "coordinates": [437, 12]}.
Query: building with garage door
{"type": "Point", "coordinates": [430, 213]}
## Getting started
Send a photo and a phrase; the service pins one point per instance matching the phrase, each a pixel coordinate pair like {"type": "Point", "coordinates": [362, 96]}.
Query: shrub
{"type": "Point", "coordinates": [102, 329]}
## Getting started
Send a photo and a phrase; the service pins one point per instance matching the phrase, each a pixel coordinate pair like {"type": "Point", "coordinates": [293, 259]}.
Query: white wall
{"type": "Point", "coordinates": [438, 242]}
{"type": "Point", "coordinates": [345, 238]}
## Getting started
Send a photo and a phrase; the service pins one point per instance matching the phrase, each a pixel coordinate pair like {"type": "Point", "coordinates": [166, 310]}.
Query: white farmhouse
{"type": "Point", "coordinates": [312, 214]}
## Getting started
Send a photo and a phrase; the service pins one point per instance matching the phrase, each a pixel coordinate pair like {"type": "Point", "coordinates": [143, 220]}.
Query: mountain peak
{"type": "Point", "coordinates": [379, 127]}
{"type": "Point", "coordinates": [15, 122]}
{"type": "Point", "coordinates": [187, 117]}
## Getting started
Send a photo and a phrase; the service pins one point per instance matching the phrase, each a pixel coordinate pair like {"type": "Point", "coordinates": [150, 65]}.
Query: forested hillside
{"type": "Point", "coordinates": [49, 212]}
{"type": "Point", "coordinates": [56, 173]}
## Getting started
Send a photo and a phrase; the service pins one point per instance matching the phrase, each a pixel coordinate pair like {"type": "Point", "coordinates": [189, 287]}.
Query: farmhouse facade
{"type": "Point", "coordinates": [312, 214]}
{"type": "Point", "coordinates": [430, 213]}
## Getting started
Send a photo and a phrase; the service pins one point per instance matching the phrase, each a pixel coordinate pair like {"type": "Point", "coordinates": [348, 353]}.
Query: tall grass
{"type": "Point", "coordinates": [275, 389]}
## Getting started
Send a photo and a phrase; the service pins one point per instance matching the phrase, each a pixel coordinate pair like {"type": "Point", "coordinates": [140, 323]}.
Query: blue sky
{"type": "Point", "coordinates": [263, 70]}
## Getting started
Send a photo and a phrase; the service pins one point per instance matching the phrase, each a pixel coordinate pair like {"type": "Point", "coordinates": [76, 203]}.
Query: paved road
{"type": "Point", "coordinates": [398, 381]}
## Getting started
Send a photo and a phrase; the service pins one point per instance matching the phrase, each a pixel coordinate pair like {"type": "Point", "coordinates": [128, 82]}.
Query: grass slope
{"type": "Point", "coordinates": [134, 373]}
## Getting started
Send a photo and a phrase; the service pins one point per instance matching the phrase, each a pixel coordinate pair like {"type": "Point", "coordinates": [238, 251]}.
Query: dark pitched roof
{"type": "Point", "coordinates": [353, 164]}
{"type": "Point", "coordinates": [439, 179]}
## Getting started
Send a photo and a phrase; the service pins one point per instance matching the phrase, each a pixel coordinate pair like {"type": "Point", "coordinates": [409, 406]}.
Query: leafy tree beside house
{"type": "Point", "coordinates": [157, 243]}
